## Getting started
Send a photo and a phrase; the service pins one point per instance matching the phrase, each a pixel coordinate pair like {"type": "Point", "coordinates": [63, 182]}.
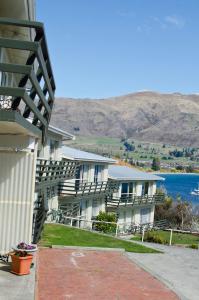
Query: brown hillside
{"type": "Point", "coordinates": [148, 116]}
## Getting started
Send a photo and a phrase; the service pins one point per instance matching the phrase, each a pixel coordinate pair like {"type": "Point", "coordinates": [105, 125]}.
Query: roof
{"type": "Point", "coordinates": [79, 155]}
{"type": "Point", "coordinates": [125, 173]}
{"type": "Point", "coordinates": [64, 134]}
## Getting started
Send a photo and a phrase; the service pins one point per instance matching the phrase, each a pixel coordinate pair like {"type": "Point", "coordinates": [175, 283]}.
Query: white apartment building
{"type": "Point", "coordinates": [135, 200]}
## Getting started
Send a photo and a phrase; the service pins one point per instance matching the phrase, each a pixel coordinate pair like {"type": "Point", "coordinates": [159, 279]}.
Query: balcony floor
{"type": "Point", "coordinates": [11, 122]}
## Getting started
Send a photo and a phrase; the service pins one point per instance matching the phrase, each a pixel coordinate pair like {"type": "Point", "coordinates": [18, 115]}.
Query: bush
{"type": "Point", "coordinates": [103, 227]}
{"type": "Point", "coordinates": [193, 246]}
{"type": "Point", "coordinates": [154, 237]}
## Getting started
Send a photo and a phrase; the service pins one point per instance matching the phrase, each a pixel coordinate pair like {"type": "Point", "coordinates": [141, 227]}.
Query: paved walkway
{"type": "Point", "coordinates": [178, 268]}
{"type": "Point", "coordinates": [13, 287]}
{"type": "Point", "coordinates": [94, 275]}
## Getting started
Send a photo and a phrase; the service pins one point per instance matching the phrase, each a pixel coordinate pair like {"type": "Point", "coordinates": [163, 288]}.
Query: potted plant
{"type": "Point", "coordinates": [22, 258]}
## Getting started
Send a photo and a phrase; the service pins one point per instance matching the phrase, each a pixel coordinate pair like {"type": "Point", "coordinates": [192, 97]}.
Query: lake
{"type": "Point", "coordinates": [181, 184]}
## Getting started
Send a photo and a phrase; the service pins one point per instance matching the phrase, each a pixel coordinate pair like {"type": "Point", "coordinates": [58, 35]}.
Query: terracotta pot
{"type": "Point", "coordinates": [21, 264]}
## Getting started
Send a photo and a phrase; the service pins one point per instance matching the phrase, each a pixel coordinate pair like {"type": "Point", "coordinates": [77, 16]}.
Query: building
{"type": "Point", "coordinates": [84, 197]}
{"type": "Point", "coordinates": [135, 200]}
{"type": "Point", "coordinates": [27, 90]}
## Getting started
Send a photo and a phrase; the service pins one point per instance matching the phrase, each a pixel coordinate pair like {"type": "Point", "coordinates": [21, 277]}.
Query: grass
{"type": "Point", "coordinates": [178, 238]}
{"type": "Point", "coordinates": [54, 234]}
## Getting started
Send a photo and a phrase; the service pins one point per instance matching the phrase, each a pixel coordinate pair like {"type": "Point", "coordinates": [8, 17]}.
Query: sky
{"type": "Point", "coordinates": [104, 48]}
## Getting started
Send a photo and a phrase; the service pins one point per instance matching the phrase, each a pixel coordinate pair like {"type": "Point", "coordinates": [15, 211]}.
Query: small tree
{"type": "Point", "coordinates": [155, 164]}
{"type": "Point", "coordinates": [183, 212]}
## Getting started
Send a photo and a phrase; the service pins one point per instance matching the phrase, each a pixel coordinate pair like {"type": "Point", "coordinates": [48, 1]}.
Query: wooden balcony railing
{"type": "Point", "coordinates": [79, 188]}
{"type": "Point", "coordinates": [30, 90]}
{"type": "Point", "coordinates": [134, 200]}
{"type": "Point", "coordinates": [49, 172]}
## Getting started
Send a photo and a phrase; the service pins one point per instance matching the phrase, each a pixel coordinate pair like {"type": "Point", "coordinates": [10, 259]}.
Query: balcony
{"type": "Point", "coordinates": [49, 172]}
{"type": "Point", "coordinates": [77, 188]}
{"type": "Point", "coordinates": [133, 200]}
{"type": "Point", "coordinates": [27, 82]}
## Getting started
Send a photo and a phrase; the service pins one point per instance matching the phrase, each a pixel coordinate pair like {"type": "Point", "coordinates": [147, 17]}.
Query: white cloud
{"type": "Point", "coordinates": [161, 23]}
{"type": "Point", "coordinates": [146, 28]}
{"type": "Point", "coordinates": [125, 13]}
{"type": "Point", "coordinates": [174, 20]}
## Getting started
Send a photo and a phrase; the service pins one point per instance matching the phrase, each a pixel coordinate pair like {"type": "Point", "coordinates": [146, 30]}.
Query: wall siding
{"type": "Point", "coordinates": [16, 198]}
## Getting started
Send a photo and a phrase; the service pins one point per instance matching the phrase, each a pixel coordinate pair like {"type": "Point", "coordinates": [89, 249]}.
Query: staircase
{"type": "Point", "coordinates": [112, 204]}
{"type": "Point", "coordinates": [70, 209]}
{"type": "Point", "coordinates": [39, 217]}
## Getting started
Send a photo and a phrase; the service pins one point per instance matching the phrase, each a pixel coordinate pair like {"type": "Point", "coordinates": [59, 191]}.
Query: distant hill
{"type": "Point", "coordinates": [148, 116]}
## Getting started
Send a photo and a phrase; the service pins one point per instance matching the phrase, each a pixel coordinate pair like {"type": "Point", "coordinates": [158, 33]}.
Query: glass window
{"type": "Point", "coordinates": [145, 215]}
{"type": "Point", "coordinates": [98, 173]}
{"type": "Point", "coordinates": [145, 188]}
{"type": "Point", "coordinates": [124, 190]}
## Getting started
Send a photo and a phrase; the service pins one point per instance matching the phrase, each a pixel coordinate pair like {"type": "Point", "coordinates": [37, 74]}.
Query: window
{"type": "Point", "coordinates": [95, 208]}
{"type": "Point", "coordinates": [128, 189]}
{"type": "Point", "coordinates": [98, 173]}
{"type": "Point", "coordinates": [83, 173]}
{"type": "Point", "coordinates": [145, 188]}
{"type": "Point", "coordinates": [124, 191]}
{"type": "Point", "coordinates": [145, 215]}
{"type": "Point", "coordinates": [131, 188]}
{"type": "Point", "coordinates": [53, 148]}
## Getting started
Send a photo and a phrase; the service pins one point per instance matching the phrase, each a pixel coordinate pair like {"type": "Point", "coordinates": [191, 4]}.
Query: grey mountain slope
{"type": "Point", "coordinates": [148, 116]}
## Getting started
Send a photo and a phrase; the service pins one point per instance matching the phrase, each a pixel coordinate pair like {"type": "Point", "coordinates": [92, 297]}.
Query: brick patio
{"type": "Point", "coordinates": [102, 275]}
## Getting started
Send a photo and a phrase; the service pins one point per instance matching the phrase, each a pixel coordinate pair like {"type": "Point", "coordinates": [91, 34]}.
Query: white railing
{"type": "Point", "coordinates": [91, 222]}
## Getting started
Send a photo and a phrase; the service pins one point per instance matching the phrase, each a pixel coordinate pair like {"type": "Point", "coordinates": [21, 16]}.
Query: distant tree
{"type": "Point", "coordinates": [164, 157]}
{"type": "Point", "coordinates": [176, 153]}
{"type": "Point", "coordinates": [179, 167]}
{"type": "Point", "coordinates": [128, 146]}
{"type": "Point", "coordinates": [155, 164]}
{"type": "Point", "coordinates": [189, 169]}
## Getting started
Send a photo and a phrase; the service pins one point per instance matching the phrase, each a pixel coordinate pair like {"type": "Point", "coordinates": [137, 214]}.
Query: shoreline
{"type": "Point", "coordinates": [171, 173]}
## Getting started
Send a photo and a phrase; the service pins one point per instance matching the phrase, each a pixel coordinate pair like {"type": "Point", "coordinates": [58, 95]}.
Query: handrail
{"type": "Point", "coordinates": [78, 187]}
{"type": "Point", "coordinates": [136, 200]}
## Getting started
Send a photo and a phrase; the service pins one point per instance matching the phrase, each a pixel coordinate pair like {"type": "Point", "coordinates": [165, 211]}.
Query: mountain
{"type": "Point", "coordinates": [147, 116]}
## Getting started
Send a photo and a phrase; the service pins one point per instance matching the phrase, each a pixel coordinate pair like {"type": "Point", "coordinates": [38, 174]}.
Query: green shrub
{"type": "Point", "coordinates": [154, 237]}
{"type": "Point", "coordinates": [193, 246]}
{"type": "Point", "coordinates": [106, 228]}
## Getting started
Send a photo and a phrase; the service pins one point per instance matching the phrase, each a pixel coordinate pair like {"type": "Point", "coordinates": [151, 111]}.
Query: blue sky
{"type": "Point", "coordinates": [103, 48]}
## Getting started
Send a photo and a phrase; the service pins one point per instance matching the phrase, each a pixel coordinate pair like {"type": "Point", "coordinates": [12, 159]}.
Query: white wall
{"type": "Point", "coordinates": [17, 183]}
{"type": "Point", "coordinates": [45, 152]}
{"type": "Point", "coordinates": [131, 214]}
{"type": "Point", "coordinates": [17, 142]}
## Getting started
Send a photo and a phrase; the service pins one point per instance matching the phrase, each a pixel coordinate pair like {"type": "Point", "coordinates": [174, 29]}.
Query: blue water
{"type": "Point", "coordinates": [181, 184]}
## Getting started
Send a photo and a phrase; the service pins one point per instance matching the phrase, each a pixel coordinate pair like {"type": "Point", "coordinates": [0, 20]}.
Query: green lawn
{"type": "Point", "coordinates": [62, 235]}
{"type": "Point", "coordinates": [178, 238]}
